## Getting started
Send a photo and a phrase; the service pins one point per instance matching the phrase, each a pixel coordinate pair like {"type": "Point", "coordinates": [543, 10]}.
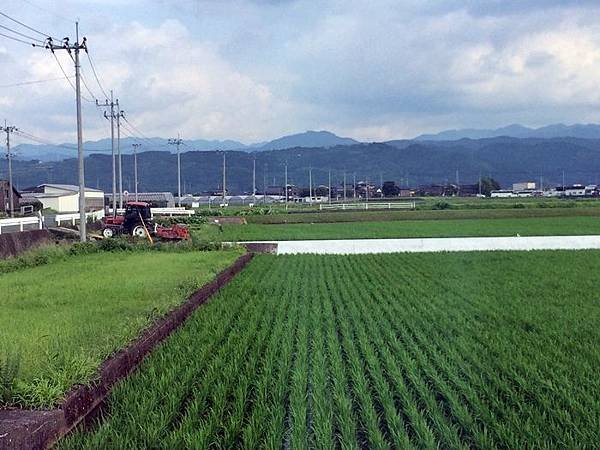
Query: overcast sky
{"type": "Point", "coordinates": [253, 70]}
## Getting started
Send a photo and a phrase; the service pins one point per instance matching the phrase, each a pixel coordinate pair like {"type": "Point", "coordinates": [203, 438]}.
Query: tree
{"type": "Point", "coordinates": [488, 185]}
{"type": "Point", "coordinates": [389, 189]}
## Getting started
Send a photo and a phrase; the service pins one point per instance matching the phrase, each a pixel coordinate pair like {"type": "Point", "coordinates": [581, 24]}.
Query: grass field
{"type": "Point", "coordinates": [395, 215]}
{"type": "Point", "coordinates": [62, 319]}
{"type": "Point", "coordinates": [494, 350]}
{"type": "Point", "coordinates": [543, 226]}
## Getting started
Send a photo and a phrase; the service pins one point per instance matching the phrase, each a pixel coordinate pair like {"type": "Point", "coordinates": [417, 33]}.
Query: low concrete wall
{"type": "Point", "coordinates": [13, 244]}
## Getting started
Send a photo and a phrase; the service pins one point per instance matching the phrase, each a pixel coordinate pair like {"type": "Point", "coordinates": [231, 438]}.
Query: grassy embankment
{"type": "Point", "coordinates": [60, 320]}
{"type": "Point", "coordinates": [462, 350]}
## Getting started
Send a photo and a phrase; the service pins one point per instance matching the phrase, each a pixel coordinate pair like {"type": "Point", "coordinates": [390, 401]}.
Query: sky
{"type": "Point", "coordinates": [254, 70]}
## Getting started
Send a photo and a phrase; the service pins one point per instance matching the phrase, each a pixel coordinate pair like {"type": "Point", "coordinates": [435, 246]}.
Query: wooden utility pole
{"type": "Point", "coordinates": [11, 201]}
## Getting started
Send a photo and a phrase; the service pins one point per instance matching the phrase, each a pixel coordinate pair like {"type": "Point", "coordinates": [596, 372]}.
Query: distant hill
{"type": "Point", "coordinates": [410, 163]}
{"type": "Point", "coordinates": [307, 139]}
{"type": "Point", "coordinates": [585, 131]}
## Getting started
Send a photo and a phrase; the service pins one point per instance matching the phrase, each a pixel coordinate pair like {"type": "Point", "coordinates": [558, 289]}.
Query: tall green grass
{"type": "Point", "coordinates": [63, 319]}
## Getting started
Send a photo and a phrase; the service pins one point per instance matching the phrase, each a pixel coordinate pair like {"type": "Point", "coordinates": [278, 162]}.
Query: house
{"type": "Point", "coordinates": [5, 196]}
{"type": "Point", "coordinates": [468, 190]}
{"type": "Point", "coordinates": [437, 190]}
{"type": "Point", "coordinates": [64, 198]}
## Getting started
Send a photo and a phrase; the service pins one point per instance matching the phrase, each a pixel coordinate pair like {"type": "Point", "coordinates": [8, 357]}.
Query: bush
{"type": "Point", "coordinates": [440, 205]}
{"type": "Point", "coordinates": [519, 206]}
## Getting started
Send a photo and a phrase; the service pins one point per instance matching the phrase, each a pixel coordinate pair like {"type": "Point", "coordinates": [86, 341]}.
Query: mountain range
{"type": "Point", "coordinates": [586, 131]}
{"type": "Point", "coordinates": [409, 163]}
{"type": "Point", "coordinates": [308, 139]}
{"type": "Point", "coordinates": [48, 152]}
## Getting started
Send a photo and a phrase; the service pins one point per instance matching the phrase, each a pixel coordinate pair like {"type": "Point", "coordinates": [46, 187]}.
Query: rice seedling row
{"type": "Point", "coordinates": [388, 351]}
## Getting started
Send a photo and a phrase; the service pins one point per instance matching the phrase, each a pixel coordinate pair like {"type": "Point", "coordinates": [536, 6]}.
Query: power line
{"type": "Point", "coordinates": [67, 78]}
{"type": "Point", "coordinates": [96, 75]}
{"type": "Point", "coordinates": [70, 21]}
{"type": "Point", "coordinates": [26, 83]}
{"type": "Point", "coordinates": [24, 25]}
{"type": "Point", "coordinates": [43, 141]}
{"type": "Point", "coordinates": [21, 34]}
{"type": "Point", "coordinates": [20, 40]}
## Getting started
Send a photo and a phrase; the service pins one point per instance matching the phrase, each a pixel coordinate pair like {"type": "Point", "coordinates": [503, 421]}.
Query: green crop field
{"type": "Point", "coordinates": [394, 215]}
{"type": "Point", "coordinates": [461, 350]}
{"type": "Point", "coordinates": [61, 320]}
{"type": "Point", "coordinates": [541, 226]}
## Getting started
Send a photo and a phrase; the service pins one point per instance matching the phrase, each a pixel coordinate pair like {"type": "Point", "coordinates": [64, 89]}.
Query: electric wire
{"type": "Point", "coordinates": [43, 141]}
{"type": "Point", "coordinates": [49, 11]}
{"type": "Point", "coordinates": [24, 25]}
{"type": "Point", "coordinates": [67, 78]}
{"type": "Point", "coordinates": [20, 40]}
{"type": "Point", "coordinates": [96, 75]}
{"type": "Point", "coordinates": [21, 34]}
{"type": "Point", "coordinates": [26, 83]}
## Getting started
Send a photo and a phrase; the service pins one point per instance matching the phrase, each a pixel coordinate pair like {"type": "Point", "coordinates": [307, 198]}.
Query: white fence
{"type": "Point", "coordinates": [177, 211]}
{"type": "Point", "coordinates": [21, 222]}
{"type": "Point", "coordinates": [74, 217]}
{"type": "Point", "coordinates": [368, 205]}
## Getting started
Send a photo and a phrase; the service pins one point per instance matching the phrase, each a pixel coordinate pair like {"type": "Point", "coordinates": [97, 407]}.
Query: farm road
{"type": "Point", "coordinates": [415, 245]}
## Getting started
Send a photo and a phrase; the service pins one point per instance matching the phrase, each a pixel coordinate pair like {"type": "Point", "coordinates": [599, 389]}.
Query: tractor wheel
{"type": "Point", "coordinates": [108, 233]}
{"type": "Point", "coordinates": [139, 231]}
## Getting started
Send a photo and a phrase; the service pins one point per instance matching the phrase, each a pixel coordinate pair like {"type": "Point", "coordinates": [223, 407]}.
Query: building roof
{"type": "Point", "coordinates": [147, 196]}
{"type": "Point", "coordinates": [65, 187]}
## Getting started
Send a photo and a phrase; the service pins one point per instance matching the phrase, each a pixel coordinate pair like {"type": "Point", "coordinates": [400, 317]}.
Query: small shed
{"type": "Point", "coordinates": [5, 196]}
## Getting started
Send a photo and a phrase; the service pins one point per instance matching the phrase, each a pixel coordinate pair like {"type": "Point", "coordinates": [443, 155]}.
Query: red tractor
{"type": "Point", "coordinates": [137, 221]}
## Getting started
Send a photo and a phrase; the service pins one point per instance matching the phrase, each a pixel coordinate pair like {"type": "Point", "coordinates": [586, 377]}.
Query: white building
{"type": "Point", "coordinates": [524, 186]}
{"type": "Point", "coordinates": [64, 198]}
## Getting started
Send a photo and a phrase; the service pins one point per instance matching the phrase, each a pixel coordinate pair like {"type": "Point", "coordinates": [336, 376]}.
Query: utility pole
{"type": "Point", "coordinates": [135, 169]}
{"type": "Point", "coordinates": [457, 183]}
{"type": "Point", "coordinates": [542, 182]}
{"type": "Point", "coordinates": [354, 186]}
{"type": "Point", "coordinates": [310, 185]}
{"type": "Point", "coordinates": [329, 189]}
{"type": "Point", "coordinates": [254, 179]}
{"type": "Point", "coordinates": [224, 180]}
{"type": "Point", "coordinates": [286, 186]}
{"type": "Point", "coordinates": [178, 142]}
{"type": "Point", "coordinates": [344, 186]}
{"type": "Point", "coordinates": [75, 48]}
{"type": "Point", "coordinates": [564, 184]}
{"type": "Point", "coordinates": [111, 105]}
{"type": "Point", "coordinates": [119, 115]}
{"type": "Point", "coordinates": [265, 184]}
{"type": "Point", "coordinates": [480, 184]}
{"type": "Point", "coordinates": [9, 130]}
{"type": "Point", "coordinates": [367, 189]}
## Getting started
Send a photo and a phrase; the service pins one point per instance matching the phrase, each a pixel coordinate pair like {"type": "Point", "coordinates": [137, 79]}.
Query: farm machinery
{"type": "Point", "coordinates": [137, 221]}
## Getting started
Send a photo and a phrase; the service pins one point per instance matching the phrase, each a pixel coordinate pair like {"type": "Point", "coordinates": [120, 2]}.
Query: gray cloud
{"type": "Point", "coordinates": [254, 69]}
